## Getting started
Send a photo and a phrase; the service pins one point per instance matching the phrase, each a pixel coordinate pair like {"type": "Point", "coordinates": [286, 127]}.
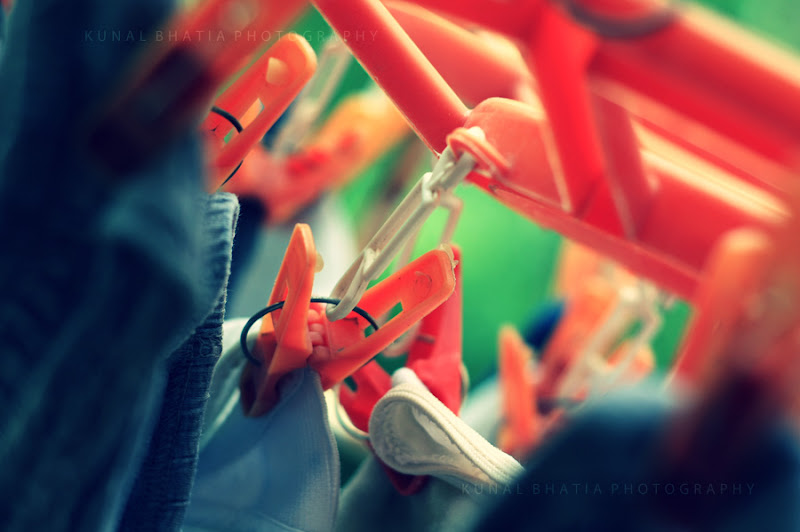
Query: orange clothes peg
{"type": "Point", "coordinates": [591, 307]}
{"type": "Point", "coordinates": [419, 288]}
{"type": "Point", "coordinates": [283, 344]}
{"type": "Point", "coordinates": [361, 129]}
{"type": "Point", "coordinates": [260, 96]}
{"type": "Point", "coordinates": [643, 363]}
{"type": "Point", "coordinates": [522, 423]}
{"type": "Point", "coordinates": [434, 356]}
{"type": "Point", "coordinates": [300, 334]}
{"type": "Point", "coordinates": [174, 85]}
{"type": "Point", "coordinates": [740, 354]}
{"type": "Point", "coordinates": [750, 298]}
{"type": "Point", "coordinates": [578, 263]}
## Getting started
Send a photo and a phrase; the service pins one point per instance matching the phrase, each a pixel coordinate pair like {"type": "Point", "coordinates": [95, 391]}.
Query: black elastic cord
{"type": "Point", "coordinates": [616, 28]}
{"type": "Point", "coordinates": [238, 125]}
{"type": "Point", "coordinates": [272, 308]}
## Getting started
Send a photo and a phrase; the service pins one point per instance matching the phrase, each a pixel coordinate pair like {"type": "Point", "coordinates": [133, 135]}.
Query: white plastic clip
{"type": "Point", "coordinates": [399, 228]}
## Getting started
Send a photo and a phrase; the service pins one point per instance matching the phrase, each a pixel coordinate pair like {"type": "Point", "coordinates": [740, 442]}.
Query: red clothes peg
{"type": "Point", "coordinates": [174, 85]}
{"type": "Point", "coordinates": [299, 334]}
{"type": "Point", "coordinates": [261, 94]}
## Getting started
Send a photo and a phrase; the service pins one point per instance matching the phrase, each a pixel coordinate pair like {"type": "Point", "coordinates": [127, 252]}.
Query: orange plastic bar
{"type": "Point", "coordinates": [379, 43]}
{"type": "Point", "coordinates": [515, 18]}
{"type": "Point", "coordinates": [460, 55]}
{"type": "Point", "coordinates": [271, 84]}
{"type": "Point", "coordinates": [630, 183]}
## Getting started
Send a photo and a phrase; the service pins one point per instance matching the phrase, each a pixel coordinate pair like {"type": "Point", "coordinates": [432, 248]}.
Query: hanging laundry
{"type": "Point", "coordinates": [275, 472]}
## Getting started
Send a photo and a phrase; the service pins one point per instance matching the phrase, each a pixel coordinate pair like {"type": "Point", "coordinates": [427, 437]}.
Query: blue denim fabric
{"type": "Point", "coordinates": [277, 472]}
{"type": "Point", "coordinates": [2, 28]}
{"type": "Point", "coordinates": [615, 442]}
{"type": "Point", "coordinates": [101, 280]}
{"type": "Point", "coordinates": [160, 494]}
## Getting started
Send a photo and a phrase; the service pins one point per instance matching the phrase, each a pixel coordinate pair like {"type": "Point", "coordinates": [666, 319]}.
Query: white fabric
{"type": "Point", "coordinates": [414, 433]}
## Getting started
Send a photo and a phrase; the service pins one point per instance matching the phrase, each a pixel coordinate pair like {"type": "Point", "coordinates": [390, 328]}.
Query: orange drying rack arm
{"type": "Point", "coordinates": [567, 166]}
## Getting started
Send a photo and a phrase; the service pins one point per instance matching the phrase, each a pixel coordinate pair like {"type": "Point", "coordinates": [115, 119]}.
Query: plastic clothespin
{"type": "Point", "coordinates": [260, 95]}
{"type": "Point", "coordinates": [522, 423]}
{"type": "Point", "coordinates": [358, 131]}
{"type": "Point", "coordinates": [335, 349]}
{"type": "Point", "coordinates": [174, 85]}
{"type": "Point", "coordinates": [739, 359]}
{"type": "Point", "coordinates": [284, 343]}
{"type": "Point", "coordinates": [586, 309]}
{"type": "Point", "coordinates": [434, 356]}
{"type": "Point", "coordinates": [576, 264]}
{"type": "Point", "coordinates": [419, 288]}
{"type": "Point", "coordinates": [403, 223]}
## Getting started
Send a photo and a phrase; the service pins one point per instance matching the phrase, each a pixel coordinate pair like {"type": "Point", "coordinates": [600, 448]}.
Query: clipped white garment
{"type": "Point", "coordinates": [275, 473]}
{"type": "Point", "coordinates": [414, 433]}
